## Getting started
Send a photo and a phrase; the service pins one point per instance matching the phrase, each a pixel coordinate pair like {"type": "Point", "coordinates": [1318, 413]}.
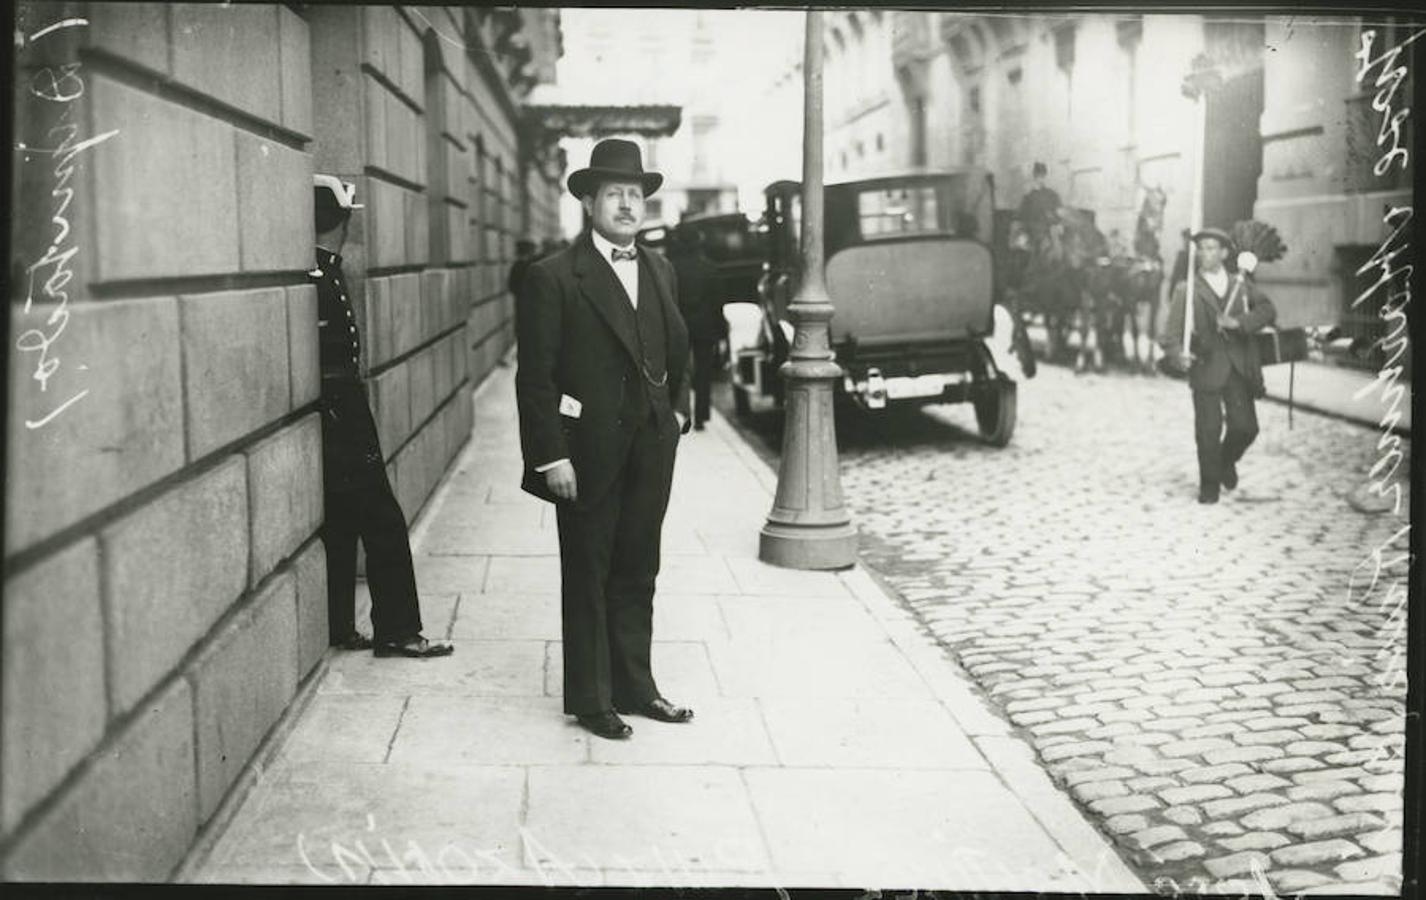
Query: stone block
{"type": "Point", "coordinates": [167, 187]}
{"type": "Point", "coordinates": [405, 133]}
{"type": "Point", "coordinates": [378, 23]}
{"type": "Point", "coordinates": [423, 386]}
{"type": "Point", "coordinates": [274, 206]}
{"type": "Point", "coordinates": [385, 224]}
{"type": "Point", "coordinates": [124, 434]}
{"type": "Point", "coordinates": [411, 75]}
{"type": "Point", "coordinates": [296, 75]}
{"type": "Point", "coordinates": [391, 407]}
{"type": "Point", "coordinates": [458, 234]}
{"type": "Point", "coordinates": [441, 369]}
{"type": "Point", "coordinates": [235, 365]}
{"type": "Point", "coordinates": [375, 98]}
{"type": "Point", "coordinates": [303, 358]}
{"type": "Point", "coordinates": [405, 301]}
{"type": "Point", "coordinates": [435, 302]}
{"type": "Point", "coordinates": [285, 493]}
{"type": "Point", "coordinates": [135, 32]}
{"type": "Point", "coordinates": [459, 359]}
{"type": "Point", "coordinates": [171, 569]}
{"type": "Point", "coordinates": [335, 42]}
{"type": "Point", "coordinates": [376, 330]}
{"type": "Point", "coordinates": [132, 815]}
{"type": "Point", "coordinates": [232, 54]}
{"type": "Point", "coordinates": [241, 685]}
{"type": "Point", "coordinates": [54, 709]}
{"type": "Point", "coordinates": [309, 572]}
{"type": "Point", "coordinates": [418, 235]}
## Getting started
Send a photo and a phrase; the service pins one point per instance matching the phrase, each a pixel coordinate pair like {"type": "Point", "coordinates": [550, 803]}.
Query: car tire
{"type": "Point", "coordinates": [995, 412]}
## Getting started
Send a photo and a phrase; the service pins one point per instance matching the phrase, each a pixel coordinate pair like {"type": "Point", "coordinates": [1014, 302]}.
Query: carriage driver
{"type": "Point", "coordinates": [1223, 367]}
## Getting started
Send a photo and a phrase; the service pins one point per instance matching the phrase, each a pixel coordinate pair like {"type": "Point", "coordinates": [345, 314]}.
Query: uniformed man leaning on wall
{"type": "Point", "coordinates": [359, 500]}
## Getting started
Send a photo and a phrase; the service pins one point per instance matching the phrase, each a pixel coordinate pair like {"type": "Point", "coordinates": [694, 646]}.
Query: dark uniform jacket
{"type": "Point", "coordinates": [349, 441]}
{"type": "Point", "coordinates": [699, 294]}
{"type": "Point", "coordinates": [1220, 352]}
{"type": "Point", "coordinates": [578, 341]}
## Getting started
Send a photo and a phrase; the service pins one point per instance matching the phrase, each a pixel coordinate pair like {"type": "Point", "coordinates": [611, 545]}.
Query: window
{"type": "Point", "coordinates": [880, 144]}
{"type": "Point", "coordinates": [899, 211]}
{"type": "Point", "coordinates": [973, 99]}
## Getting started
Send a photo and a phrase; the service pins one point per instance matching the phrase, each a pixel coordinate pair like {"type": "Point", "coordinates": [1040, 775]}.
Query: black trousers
{"type": "Point", "coordinates": [609, 560]}
{"type": "Point", "coordinates": [1220, 446]}
{"type": "Point", "coordinates": [360, 505]}
{"type": "Point", "coordinates": [705, 351]}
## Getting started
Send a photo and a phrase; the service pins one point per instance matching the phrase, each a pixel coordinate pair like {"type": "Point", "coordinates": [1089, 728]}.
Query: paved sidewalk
{"type": "Point", "coordinates": [834, 745]}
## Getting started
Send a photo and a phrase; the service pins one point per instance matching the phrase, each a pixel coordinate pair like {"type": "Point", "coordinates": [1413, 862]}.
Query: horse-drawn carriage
{"type": "Point", "coordinates": [1062, 269]}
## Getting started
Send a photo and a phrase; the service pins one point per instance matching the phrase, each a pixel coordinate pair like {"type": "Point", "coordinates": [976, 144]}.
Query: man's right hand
{"type": "Point", "coordinates": [561, 482]}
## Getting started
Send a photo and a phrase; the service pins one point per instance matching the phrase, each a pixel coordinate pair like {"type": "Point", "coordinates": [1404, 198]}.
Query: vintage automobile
{"type": "Point", "coordinates": [911, 275]}
{"type": "Point", "coordinates": [732, 243]}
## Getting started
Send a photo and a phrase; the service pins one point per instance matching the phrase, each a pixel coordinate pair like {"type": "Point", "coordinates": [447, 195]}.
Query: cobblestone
{"type": "Point", "coordinates": [1072, 598]}
{"type": "Point", "coordinates": [1335, 826]}
{"type": "Point", "coordinates": [1316, 853]}
{"type": "Point", "coordinates": [1237, 863]}
{"type": "Point", "coordinates": [1371, 869]}
{"type": "Point", "coordinates": [1178, 851]}
{"type": "Point", "coordinates": [1294, 880]}
{"type": "Point", "coordinates": [1255, 840]}
{"type": "Point", "coordinates": [1161, 834]}
{"type": "Point", "coordinates": [1283, 815]}
{"type": "Point", "coordinates": [1196, 793]}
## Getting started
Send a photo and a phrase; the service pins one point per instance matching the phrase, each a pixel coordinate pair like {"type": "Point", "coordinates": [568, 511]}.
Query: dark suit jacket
{"type": "Point", "coordinates": [577, 339]}
{"type": "Point", "coordinates": [1218, 353]}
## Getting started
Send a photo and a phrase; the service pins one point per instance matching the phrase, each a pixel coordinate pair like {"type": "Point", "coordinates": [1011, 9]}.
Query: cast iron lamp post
{"type": "Point", "coordinates": [808, 527]}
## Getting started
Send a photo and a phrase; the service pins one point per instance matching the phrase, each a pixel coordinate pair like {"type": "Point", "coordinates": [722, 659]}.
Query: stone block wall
{"type": "Point", "coordinates": [165, 584]}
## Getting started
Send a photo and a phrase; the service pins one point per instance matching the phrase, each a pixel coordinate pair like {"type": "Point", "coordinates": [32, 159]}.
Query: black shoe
{"type": "Point", "coordinates": [354, 641]}
{"type": "Point", "coordinates": [1230, 476]}
{"type": "Point", "coordinates": [1207, 495]}
{"type": "Point", "coordinates": [660, 710]}
{"type": "Point", "coordinates": [415, 647]}
{"type": "Point", "coordinates": [697, 426]}
{"type": "Point", "coordinates": [606, 725]}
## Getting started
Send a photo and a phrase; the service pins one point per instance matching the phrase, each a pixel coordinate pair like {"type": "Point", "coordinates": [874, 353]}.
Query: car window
{"type": "Point", "coordinates": [898, 211]}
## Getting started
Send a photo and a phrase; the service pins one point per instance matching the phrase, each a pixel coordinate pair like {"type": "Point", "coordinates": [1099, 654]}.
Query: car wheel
{"type": "Point", "coordinates": [995, 413]}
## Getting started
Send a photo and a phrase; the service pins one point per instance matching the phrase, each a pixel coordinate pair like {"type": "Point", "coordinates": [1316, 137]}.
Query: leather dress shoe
{"type": "Point", "coordinates": [415, 647]}
{"type": "Point", "coordinates": [1208, 495]}
{"type": "Point", "coordinates": [354, 641]}
{"type": "Point", "coordinates": [606, 725]}
{"type": "Point", "coordinates": [1230, 476]}
{"type": "Point", "coordinates": [660, 710]}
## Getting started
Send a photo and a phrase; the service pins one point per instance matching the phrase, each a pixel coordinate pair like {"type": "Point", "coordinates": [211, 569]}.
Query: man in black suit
{"type": "Point", "coordinates": [357, 494]}
{"type": "Point", "coordinates": [1222, 363]}
{"type": "Point", "coordinates": [602, 351]}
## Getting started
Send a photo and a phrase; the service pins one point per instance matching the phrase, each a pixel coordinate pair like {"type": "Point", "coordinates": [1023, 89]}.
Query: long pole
{"type": "Point", "coordinates": [1195, 214]}
{"type": "Point", "coordinates": [808, 527]}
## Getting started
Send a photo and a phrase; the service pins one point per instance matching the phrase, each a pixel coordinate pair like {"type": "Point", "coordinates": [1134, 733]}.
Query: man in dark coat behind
{"type": "Point", "coordinates": [359, 503]}
{"type": "Point", "coordinates": [1223, 367]}
{"type": "Point", "coordinates": [600, 389]}
{"type": "Point", "coordinates": [700, 300]}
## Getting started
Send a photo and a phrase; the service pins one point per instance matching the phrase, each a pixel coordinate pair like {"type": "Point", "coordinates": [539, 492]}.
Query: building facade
{"type": "Point", "coordinates": [165, 591]}
{"type": "Point", "coordinates": [1290, 136]}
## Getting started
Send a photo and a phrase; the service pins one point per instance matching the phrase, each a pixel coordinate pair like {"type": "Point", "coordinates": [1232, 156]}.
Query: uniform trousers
{"type": "Point", "coordinates": [609, 560]}
{"type": "Point", "coordinates": [1219, 446]}
{"type": "Point", "coordinates": [360, 505]}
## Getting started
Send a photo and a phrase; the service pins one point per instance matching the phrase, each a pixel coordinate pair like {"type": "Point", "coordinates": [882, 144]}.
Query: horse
{"type": "Point", "coordinates": [1139, 278]}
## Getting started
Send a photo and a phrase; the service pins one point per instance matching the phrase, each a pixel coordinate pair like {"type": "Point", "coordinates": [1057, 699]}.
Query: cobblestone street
{"type": "Point", "coordinates": [1221, 689]}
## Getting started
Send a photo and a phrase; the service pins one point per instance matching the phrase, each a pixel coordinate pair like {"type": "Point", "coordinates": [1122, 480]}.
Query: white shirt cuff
{"type": "Point", "coordinates": [550, 465]}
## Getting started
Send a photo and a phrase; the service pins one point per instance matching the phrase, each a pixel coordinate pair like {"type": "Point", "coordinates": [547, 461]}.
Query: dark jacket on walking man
{"type": "Point", "coordinates": [359, 503]}
{"type": "Point", "coordinates": [600, 391]}
{"type": "Point", "coordinates": [524, 255]}
{"type": "Point", "coordinates": [1223, 367]}
{"type": "Point", "coordinates": [700, 300]}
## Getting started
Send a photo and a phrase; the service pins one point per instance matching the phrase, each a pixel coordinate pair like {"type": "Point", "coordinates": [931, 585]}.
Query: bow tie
{"type": "Point", "coordinates": [616, 254]}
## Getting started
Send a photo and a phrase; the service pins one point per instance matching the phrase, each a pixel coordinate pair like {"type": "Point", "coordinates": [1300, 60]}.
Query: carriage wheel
{"type": "Point", "coordinates": [995, 412]}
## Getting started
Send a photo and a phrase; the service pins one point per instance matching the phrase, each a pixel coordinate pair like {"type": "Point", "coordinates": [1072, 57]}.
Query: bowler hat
{"type": "Point", "coordinates": [1217, 234]}
{"type": "Point", "coordinates": [613, 160]}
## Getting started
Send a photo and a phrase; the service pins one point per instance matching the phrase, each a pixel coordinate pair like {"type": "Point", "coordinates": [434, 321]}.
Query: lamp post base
{"type": "Point", "coordinates": [808, 546]}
